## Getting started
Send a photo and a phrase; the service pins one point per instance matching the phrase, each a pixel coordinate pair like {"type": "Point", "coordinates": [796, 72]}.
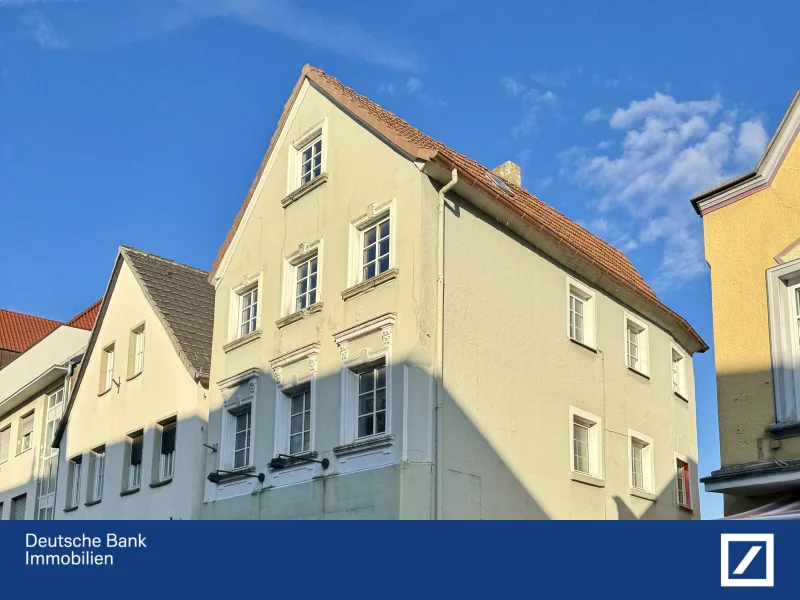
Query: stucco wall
{"type": "Point", "coordinates": [163, 389]}
{"type": "Point", "coordinates": [741, 242]}
{"type": "Point", "coordinates": [362, 171]}
{"type": "Point", "coordinates": [18, 473]}
{"type": "Point", "coordinates": [511, 374]}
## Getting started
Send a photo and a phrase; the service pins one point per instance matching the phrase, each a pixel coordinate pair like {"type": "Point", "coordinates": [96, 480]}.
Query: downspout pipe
{"type": "Point", "coordinates": [439, 361]}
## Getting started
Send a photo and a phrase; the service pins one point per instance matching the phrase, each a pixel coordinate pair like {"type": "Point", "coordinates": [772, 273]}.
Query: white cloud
{"type": "Point", "coordinates": [386, 88]}
{"type": "Point", "coordinates": [41, 30]}
{"type": "Point", "coordinates": [532, 100]}
{"type": "Point", "coordinates": [413, 85]}
{"type": "Point", "coordinates": [641, 181]}
{"type": "Point", "coordinates": [663, 106]}
{"type": "Point", "coordinates": [751, 143]}
{"type": "Point", "coordinates": [513, 87]}
{"type": "Point", "coordinates": [291, 19]}
{"type": "Point", "coordinates": [594, 115]}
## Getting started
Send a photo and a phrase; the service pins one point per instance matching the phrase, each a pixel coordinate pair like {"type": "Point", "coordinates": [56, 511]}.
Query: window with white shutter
{"type": "Point", "coordinates": [5, 443]}
{"type": "Point", "coordinates": [25, 433]}
{"type": "Point", "coordinates": [18, 506]}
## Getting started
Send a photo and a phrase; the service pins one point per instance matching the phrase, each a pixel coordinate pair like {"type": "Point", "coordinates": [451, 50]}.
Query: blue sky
{"type": "Point", "coordinates": [143, 122]}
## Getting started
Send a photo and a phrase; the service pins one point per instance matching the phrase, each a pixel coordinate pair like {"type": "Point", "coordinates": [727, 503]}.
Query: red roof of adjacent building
{"type": "Point", "coordinates": [86, 318]}
{"type": "Point", "coordinates": [18, 331]}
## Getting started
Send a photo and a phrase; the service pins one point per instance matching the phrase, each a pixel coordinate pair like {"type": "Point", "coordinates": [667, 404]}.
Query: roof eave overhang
{"type": "Point", "coordinates": [498, 206]}
{"type": "Point", "coordinates": [33, 388]}
{"type": "Point", "coordinates": [764, 173]}
{"type": "Point", "coordinates": [753, 483]}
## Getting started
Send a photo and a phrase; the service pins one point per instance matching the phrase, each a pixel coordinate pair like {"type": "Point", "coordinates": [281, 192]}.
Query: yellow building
{"type": "Point", "coordinates": [752, 244]}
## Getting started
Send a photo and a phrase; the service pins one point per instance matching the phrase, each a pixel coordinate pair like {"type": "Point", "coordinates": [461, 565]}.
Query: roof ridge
{"type": "Point", "coordinates": [167, 260]}
{"type": "Point", "coordinates": [30, 316]}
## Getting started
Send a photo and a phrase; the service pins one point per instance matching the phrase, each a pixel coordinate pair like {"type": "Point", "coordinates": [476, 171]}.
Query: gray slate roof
{"type": "Point", "coordinates": [185, 300]}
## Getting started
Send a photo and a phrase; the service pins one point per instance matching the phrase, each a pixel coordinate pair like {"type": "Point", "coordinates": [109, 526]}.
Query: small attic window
{"type": "Point", "coordinates": [499, 183]}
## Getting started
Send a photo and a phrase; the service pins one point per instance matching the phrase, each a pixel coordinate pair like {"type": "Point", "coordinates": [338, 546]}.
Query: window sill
{"type": "Point", "coordinates": [588, 479]}
{"type": "Point", "coordinates": [371, 443]}
{"type": "Point", "coordinates": [582, 345]}
{"type": "Point", "coordinates": [681, 396]}
{"type": "Point", "coordinates": [299, 315]}
{"type": "Point", "coordinates": [71, 508]}
{"type": "Point", "coordinates": [688, 509]}
{"type": "Point", "coordinates": [93, 502]}
{"type": "Point", "coordinates": [643, 494]}
{"type": "Point", "coordinates": [134, 376]}
{"type": "Point", "coordinates": [303, 190]}
{"type": "Point", "coordinates": [369, 284]}
{"type": "Point", "coordinates": [156, 484]}
{"type": "Point", "coordinates": [242, 341]}
{"type": "Point", "coordinates": [780, 431]}
{"type": "Point", "coordinates": [129, 492]}
{"type": "Point", "coordinates": [639, 373]}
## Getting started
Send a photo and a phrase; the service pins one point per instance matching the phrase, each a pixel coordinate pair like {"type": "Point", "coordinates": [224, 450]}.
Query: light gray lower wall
{"type": "Point", "coordinates": [400, 491]}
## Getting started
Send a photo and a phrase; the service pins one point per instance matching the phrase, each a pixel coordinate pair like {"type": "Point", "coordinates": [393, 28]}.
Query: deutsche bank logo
{"type": "Point", "coordinates": [748, 560]}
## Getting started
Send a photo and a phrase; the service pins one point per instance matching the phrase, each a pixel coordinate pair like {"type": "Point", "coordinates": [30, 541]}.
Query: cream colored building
{"type": "Point", "coordinates": [440, 342]}
{"type": "Point", "coordinates": [132, 436]}
{"type": "Point", "coordinates": [33, 389]}
{"type": "Point", "coordinates": [752, 244]}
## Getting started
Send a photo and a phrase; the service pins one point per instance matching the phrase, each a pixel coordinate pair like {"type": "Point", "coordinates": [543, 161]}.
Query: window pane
{"type": "Point", "coordinates": [365, 426]}
{"type": "Point", "coordinates": [380, 399]}
{"type": "Point", "coordinates": [296, 444]}
{"type": "Point", "coordinates": [380, 375]}
{"type": "Point", "coordinates": [365, 382]}
{"type": "Point", "coordinates": [383, 264]}
{"type": "Point", "coordinates": [369, 237]}
{"type": "Point", "coordinates": [369, 271]}
{"type": "Point", "coordinates": [380, 422]}
{"type": "Point", "coordinates": [313, 266]}
{"type": "Point", "coordinates": [366, 403]}
{"type": "Point", "coordinates": [384, 229]}
{"type": "Point", "coordinates": [297, 404]}
{"type": "Point", "coordinates": [297, 423]}
{"type": "Point", "coordinates": [369, 254]}
{"type": "Point", "coordinates": [383, 247]}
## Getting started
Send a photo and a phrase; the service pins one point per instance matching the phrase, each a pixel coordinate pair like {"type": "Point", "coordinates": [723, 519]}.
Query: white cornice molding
{"type": "Point", "coordinates": [765, 171]}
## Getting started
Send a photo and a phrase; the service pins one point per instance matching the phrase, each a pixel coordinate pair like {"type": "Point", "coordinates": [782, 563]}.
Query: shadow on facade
{"type": "Point", "coordinates": [480, 480]}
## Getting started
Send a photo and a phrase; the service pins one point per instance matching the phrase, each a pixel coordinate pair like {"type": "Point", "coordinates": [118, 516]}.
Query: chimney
{"type": "Point", "coordinates": [510, 172]}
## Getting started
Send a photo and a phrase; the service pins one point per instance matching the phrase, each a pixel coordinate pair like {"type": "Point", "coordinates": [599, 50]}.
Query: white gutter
{"type": "Point", "coordinates": [439, 362]}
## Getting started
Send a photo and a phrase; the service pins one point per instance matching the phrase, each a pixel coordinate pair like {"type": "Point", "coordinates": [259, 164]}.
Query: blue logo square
{"type": "Point", "coordinates": [746, 563]}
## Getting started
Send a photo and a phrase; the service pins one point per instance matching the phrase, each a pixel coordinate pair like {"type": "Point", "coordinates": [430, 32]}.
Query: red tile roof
{"type": "Point", "coordinates": [563, 231]}
{"type": "Point", "coordinates": [86, 318]}
{"type": "Point", "coordinates": [18, 331]}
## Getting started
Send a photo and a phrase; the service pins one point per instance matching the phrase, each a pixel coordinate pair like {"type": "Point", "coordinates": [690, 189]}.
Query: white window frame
{"type": "Point", "coordinates": [304, 253]}
{"type": "Point", "coordinates": [596, 457]}
{"type": "Point", "coordinates": [26, 440]}
{"type": "Point", "coordinates": [109, 356]}
{"type": "Point", "coordinates": [239, 394]}
{"type": "Point", "coordinates": [678, 379]}
{"type": "Point", "coordinates": [246, 285]}
{"type": "Point", "coordinates": [783, 336]}
{"type": "Point", "coordinates": [690, 474]}
{"type": "Point", "coordinates": [351, 367]}
{"type": "Point", "coordinates": [133, 479]}
{"type": "Point", "coordinates": [303, 362]}
{"type": "Point", "coordinates": [294, 179]}
{"type": "Point", "coordinates": [643, 344]}
{"type": "Point", "coordinates": [97, 461]}
{"type": "Point", "coordinates": [75, 473]}
{"type": "Point", "coordinates": [247, 417]}
{"type": "Point", "coordinates": [165, 468]}
{"type": "Point", "coordinates": [7, 431]}
{"type": "Point", "coordinates": [137, 337]}
{"type": "Point", "coordinates": [375, 214]}
{"type": "Point", "coordinates": [648, 461]}
{"type": "Point", "coordinates": [588, 297]}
